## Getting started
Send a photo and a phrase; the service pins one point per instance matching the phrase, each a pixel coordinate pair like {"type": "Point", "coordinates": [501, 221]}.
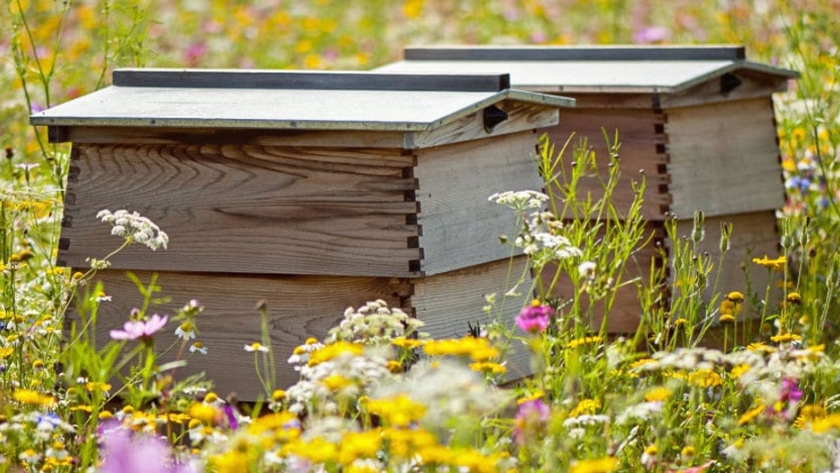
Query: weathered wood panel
{"type": "Point", "coordinates": [738, 85]}
{"type": "Point", "coordinates": [754, 235]}
{"type": "Point", "coordinates": [641, 154]}
{"type": "Point", "coordinates": [298, 307]}
{"type": "Point", "coordinates": [449, 302]}
{"type": "Point", "coordinates": [521, 117]}
{"type": "Point", "coordinates": [248, 209]}
{"type": "Point", "coordinates": [724, 158]}
{"type": "Point", "coordinates": [460, 227]}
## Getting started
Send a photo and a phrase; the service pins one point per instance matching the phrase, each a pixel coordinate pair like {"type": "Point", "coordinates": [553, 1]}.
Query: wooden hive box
{"type": "Point", "coordinates": [312, 191]}
{"type": "Point", "coordinates": [697, 121]}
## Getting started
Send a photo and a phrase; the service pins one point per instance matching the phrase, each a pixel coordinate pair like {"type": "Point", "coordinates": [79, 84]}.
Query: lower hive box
{"type": "Point", "coordinates": [300, 307]}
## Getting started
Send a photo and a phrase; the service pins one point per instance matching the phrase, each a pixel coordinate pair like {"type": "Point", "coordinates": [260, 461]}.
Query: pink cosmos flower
{"type": "Point", "coordinates": [534, 318]}
{"type": "Point", "coordinates": [125, 452]}
{"type": "Point", "coordinates": [132, 330]}
{"type": "Point", "coordinates": [531, 418]}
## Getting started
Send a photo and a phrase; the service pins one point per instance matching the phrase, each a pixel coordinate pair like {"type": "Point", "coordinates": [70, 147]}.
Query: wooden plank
{"type": "Point", "coordinates": [298, 307]}
{"type": "Point", "coordinates": [751, 85]}
{"type": "Point", "coordinates": [460, 227]}
{"type": "Point", "coordinates": [521, 117]}
{"type": "Point", "coordinates": [754, 235]}
{"type": "Point", "coordinates": [324, 80]}
{"type": "Point", "coordinates": [448, 303]}
{"type": "Point", "coordinates": [209, 136]}
{"type": "Point", "coordinates": [724, 158]}
{"type": "Point", "coordinates": [626, 310]}
{"type": "Point", "coordinates": [248, 209]}
{"type": "Point", "coordinates": [641, 154]}
{"type": "Point", "coordinates": [576, 53]}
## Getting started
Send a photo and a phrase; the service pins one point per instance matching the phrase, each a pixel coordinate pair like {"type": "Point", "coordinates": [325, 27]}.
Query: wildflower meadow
{"type": "Point", "coordinates": [715, 379]}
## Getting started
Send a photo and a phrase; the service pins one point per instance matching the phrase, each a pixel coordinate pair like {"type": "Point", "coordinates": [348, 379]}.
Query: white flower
{"type": "Point", "coordinates": [520, 200]}
{"type": "Point", "coordinates": [185, 331]}
{"type": "Point", "coordinates": [135, 227]}
{"type": "Point", "coordinates": [198, 347]}
{"type": "Point", "coordinates": [587, 268]}
{"type": "Point", "coordinates": [256, 346]}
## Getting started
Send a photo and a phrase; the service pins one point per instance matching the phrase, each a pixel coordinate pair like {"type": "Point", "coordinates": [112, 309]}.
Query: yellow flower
{"type": "Point", "coordinates": [488, 367]}
{"type": "Point", "coordinates": [586, 407]}
{"type": "Point", "coordinates": [794, 298]}
{"type": "Point", "coordinates": [727, 319]}
{"type": "Point", "coordinates": [398, 411]}
{"type": "Point", "coordinates": [6, 352]}
{"type": "Point", "coordinates": [600, 465]}
{"type": "Point", "coordinates": [808, 414]}
{"type": "Point", "coordinates": [533, 397]}
{"type": "Point", "coordinates": [406, 342]}
{"type": "Point", "coordinates": [356, 445]}
{"type": "Point", "coordinates": [739, 370]}
{"type": "Point", "coordinates": [658, 394]}
{"type": "Point", "coordinates": [775, 264]}
{"type": "Point", "coordinates": [203, 412]}
{"type": "Point", "coordinates": [34, 398]}
{"type": "Point", "coordinates": [751, 414]}
{"type": "Point", "coordinates": [786, 338]}
{"type": "Point", "coordinates": [335, 382]}
{"type": "Point", "coordinates": [705, 378]}
{"type": "Point", "coordinates": [583, 341]}
{"type": "Point", "coordinates": [478, 349]}
{"type": "Point", "coordinates": [329, 352]}
{"type": "Point", "coordinates": [823, 425]}
{"type": "Point", "coordinates": [278, 395]}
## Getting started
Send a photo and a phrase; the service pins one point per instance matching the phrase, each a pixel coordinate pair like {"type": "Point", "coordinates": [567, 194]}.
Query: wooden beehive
{"type": "Point", "coordinates": [312, 191]}
{"type": "Point", "coordinates": [697, 121]}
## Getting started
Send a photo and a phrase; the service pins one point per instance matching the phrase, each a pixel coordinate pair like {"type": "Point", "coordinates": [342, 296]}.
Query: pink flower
{"type": "Point", "coordinates": [650, 34]}
{"type": "Point", "coordinates": [125, 452]}
{"type": "Point", "coordinates": [531, 418]}
{"type": "Point", "coordinates": [534, 318]}
{"type": "Point", "coordinates": [132, 330]}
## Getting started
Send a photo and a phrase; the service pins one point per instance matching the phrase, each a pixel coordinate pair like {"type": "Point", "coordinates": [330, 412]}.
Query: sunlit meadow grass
{"type": "Point", "coordinates": [767, 398]}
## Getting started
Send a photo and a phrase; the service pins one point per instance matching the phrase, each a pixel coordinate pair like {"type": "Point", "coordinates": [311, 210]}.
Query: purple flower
{"type": "Point", "coordinates": [134, 329]}
{"type": "Point", "coordinates": [531, 417]}
{"type": "Point", "coordinates": [534, 318]}
{"type": "Point", "coordinates": [650, 34]}
{"type": "Point", "coordinates": [790, 390]}
{"type": "Point", "coordinates": [126, 453]}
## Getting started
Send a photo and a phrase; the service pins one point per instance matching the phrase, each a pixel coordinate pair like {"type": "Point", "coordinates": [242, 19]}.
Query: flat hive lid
{"type": "Point", "coordinates": [300, 100]}
{"type": "Point", "coordinates": [589, 69]}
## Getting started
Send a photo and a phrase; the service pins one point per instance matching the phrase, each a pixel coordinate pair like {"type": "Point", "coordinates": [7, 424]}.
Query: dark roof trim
{"type": "Point", "coordinates": [578, 53]}
{"type": "Point", "coordinates": [258, 79]}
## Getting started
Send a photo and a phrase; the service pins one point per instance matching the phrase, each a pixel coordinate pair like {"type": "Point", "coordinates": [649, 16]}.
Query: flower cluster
{"type": "Point", "coordinates": [134, 227]}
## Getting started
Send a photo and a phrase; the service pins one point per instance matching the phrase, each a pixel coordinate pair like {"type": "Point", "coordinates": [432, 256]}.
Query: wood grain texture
{"type": "Point", "coordinates": [298, 307]}
{"type": "Point", "coordinates": [641, 154]}
{"type": "Point", "coordinates": [460, 227]}
{"type": "Point", "coordinates": [248, 209]}
{"type": "Point", "coordinates": [449, 303]}
{"type": "Point", "coordinates": [521, 117]}
{"type": "Point", "coordinates": [209, 136]}
{"type": "Point", "coordinates": [754, 235]}
{"type": "Point", "coordinates": [724, 158]}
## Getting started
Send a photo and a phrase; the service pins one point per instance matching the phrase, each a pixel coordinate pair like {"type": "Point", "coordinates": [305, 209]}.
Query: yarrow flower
{"type": "Point", "coordinates": [520, 200]}
{"type": "Point", "coordinates": [134, 227]}
{"type": "Point", "coordinates": [535, 318]}
{"type": "Point", "coordinates": [139, 329]}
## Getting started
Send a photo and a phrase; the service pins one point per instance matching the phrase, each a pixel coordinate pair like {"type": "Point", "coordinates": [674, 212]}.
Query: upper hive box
{"type": "Point", "coordinates": [697, 121]}
{"type": "Point", "coordinates": [313, 191]}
